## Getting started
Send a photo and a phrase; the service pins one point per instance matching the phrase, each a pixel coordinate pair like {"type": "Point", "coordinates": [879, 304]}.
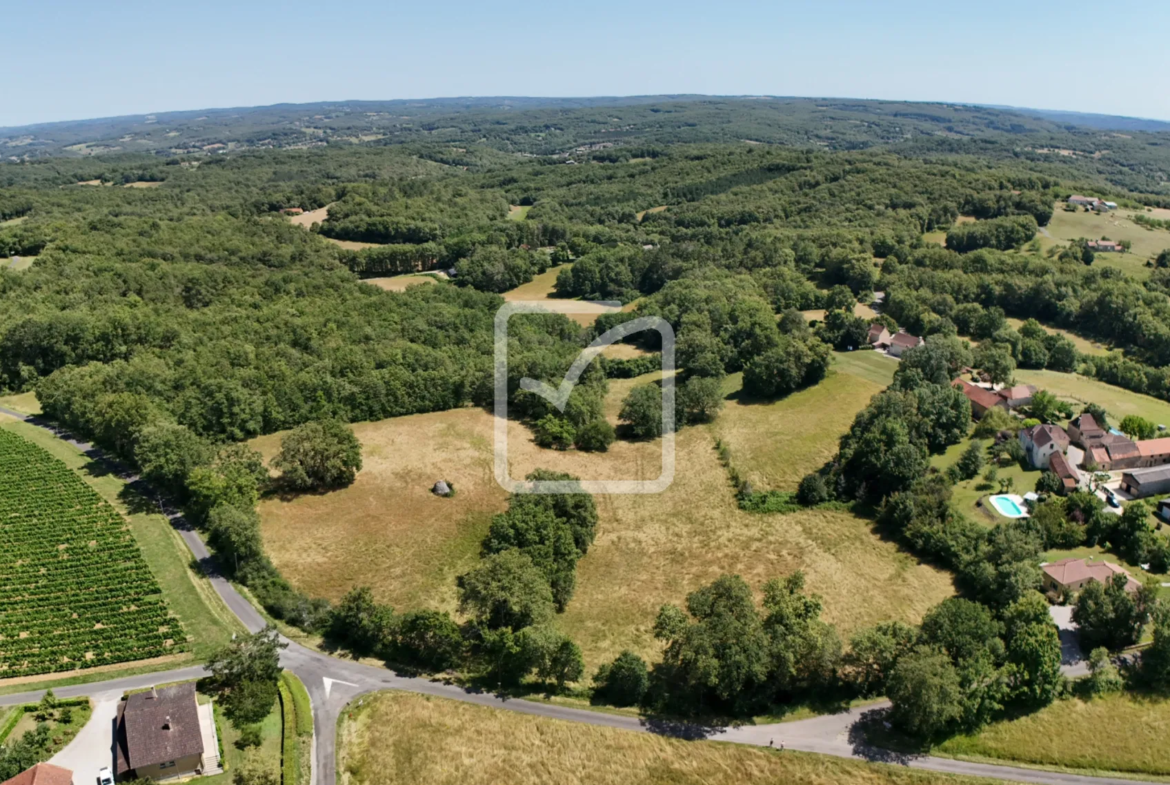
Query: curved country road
{"type": "Point", "coordinates": [332, 683]}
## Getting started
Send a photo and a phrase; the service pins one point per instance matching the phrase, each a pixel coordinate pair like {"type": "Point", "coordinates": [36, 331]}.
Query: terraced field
{"type": "Point", "coordinates": [75, 591]}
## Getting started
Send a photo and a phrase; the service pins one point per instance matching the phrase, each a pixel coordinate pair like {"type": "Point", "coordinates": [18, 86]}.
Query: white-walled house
{"type": "Point", "coordinates": [1041, 442]}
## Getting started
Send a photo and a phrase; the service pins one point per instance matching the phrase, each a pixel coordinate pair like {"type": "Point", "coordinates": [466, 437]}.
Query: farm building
{"type": "Point", "coordinates": [1082, 201]}
{"type": "Point", "coordinates": [42, 774]}
{"type": "Point", "coordinates": [1073, 574]}
{"type": "Point", "coordinates": [1058, 464]}
{"type": "Point", "coordinates": [158, 734]}
{"type": "Point", "coordinates": [1153, 452]}
{"type": "Point", "coordinates": [981, 399]}
{"type": "Point", "coordinates": [902, 341]}
{"type": "Point", "coordinates": [1146, 483]}
{"type": "Point", "coordinates": [1041, 442]}
{"type": "Point", "coordinates": [1020, 395]}
{"type": "Point", "coordinates": [1104, 246]}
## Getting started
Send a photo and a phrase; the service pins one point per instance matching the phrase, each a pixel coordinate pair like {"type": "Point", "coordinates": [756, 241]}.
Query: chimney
{"type": "Point", "coordinates": [167, 723]}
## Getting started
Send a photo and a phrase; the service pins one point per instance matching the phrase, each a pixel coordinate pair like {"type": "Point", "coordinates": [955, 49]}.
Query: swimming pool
{"type": "Point", "coordinates": [1009, 506]}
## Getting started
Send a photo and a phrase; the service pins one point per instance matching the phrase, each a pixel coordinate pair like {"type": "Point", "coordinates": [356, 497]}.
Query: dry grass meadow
{"type": "Point", "coordinates": [399, 283]}
{"type": "Point", "coordinates": [1081, 735]}
{"type": "Point", "coordinates": [387, 530]}
{"type": "Point", "coordinates": [403, 739]}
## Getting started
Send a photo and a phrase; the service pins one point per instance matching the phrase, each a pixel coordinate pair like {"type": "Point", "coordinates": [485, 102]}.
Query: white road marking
{"type": "Point", "coordinates": [330, 682]}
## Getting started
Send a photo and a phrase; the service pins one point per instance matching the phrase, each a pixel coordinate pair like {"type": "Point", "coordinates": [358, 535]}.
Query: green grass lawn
{"type": "Point", "coordinates": [1080, 390]}
{"type": "Point", "coordinates": [1117, 225]}
{"type": "Point", "coordinates": [518, 212]}
{"type": "Point", "coordinates": [60, 733]}
{"type": "Point", "coordinates": [1122, 733]}
{"type": "Point", "coordinates": [267, 755]}
{"type": "Point", "coordinates": [190, 596]}
{"type": "Point", "coordinates": [25, 403]}
{"type": "Point", "coordinates": [775, 443]}
{"type": "Point", "coordinates": [968, 493]}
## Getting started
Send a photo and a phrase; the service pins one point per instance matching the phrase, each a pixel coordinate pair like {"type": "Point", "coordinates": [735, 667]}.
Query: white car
{"type": "Point", "coordinates": [105, 776]}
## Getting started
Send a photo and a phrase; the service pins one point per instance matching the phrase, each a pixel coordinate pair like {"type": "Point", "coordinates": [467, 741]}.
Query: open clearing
{"type": "Point", "coordinates": [659, 209]}
{"type": "Point", "coordinates": [1080, 390]}
{"type": "Point", "coordinates": [19, 262]}
{"type": "Point", "coordinates": [1078, 734]}
{"type": "Point", "coordinates": [776, 443]}
{"type": "Point", "coordinates": [518, 212]}
{"type": "Point", "coordinates": [144, 184]}
{"type": "Point", "coordinates": [401, 739]}
{"type": "Point", "coordinates": [389, 532]}
{"type": "Point", "coordinates": [399, 283]}
{"type": "Point", "coordinates": [25, 403]}
{"type": "Point", "coordinates": [543, 288]}
{"type": "Point", "coordinates": [310, 217]}
{"type": "Point", "coordinates": [860, 309]}
{"type": "Point", "coordinates": [1117, 225]}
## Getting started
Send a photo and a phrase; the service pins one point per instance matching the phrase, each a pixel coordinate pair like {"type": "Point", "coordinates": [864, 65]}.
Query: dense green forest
{"type": "Point", "coordinates": [172, 322]}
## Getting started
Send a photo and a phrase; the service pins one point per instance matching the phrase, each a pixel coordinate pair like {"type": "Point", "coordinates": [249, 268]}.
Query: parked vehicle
{"type": "Point", "coordinates": [105, 776]}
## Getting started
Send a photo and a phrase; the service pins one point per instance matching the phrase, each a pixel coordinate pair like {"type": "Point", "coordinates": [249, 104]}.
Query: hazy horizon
{"type": "Point", "coordinates": [74, 61]}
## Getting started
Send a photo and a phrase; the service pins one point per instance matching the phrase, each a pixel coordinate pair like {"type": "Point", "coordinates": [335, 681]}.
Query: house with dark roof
{"type": "Point", "coordinates": [1020, 395]}
{"type": "Point", "coordinates": [981, 398]}
{"type": "Point", "coordinates": [1041, 442]}
{"type": "Point", "coordinates": [1059, 465]}
{"type": "Point", "coordinates": [158, 735]}
{"type": "Point", "coordinates": [42, 774]}
{"type": "Point", "coordinates": [1072, 575]}
{"type": "Point", "coordinates": [1146, 482]}
{"type": "Point", "coordinates": [1164, 509]}
{"type": "Point", "coordinates": [902, 341]}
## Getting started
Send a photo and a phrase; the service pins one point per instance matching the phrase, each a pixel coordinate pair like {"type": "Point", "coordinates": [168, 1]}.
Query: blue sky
{"type": "Point", "coordinates": [74, 59]}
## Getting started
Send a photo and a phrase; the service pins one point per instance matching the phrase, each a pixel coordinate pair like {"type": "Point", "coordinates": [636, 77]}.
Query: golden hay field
{"type": "Point", "coordinates": [403, 739]}
{"type": "Point", "coordinates": [387, 530]}
{"type": "Point", "coordinates": [399, 283]}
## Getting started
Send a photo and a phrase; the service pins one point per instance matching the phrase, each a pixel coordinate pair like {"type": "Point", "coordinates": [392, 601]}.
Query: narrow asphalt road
{"type": "Point", "coordinates": [333, 683]}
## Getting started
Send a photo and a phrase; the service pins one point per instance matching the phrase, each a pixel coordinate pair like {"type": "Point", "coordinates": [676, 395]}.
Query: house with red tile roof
{"type": "Point", "coordinates": [981, 398]}
{"type": "Point", "coordinates": [42, 774]}
{"type": "Point", "coordinates": [1020, 395]}
{"type": "Point", "coordinates": [1059, 465]}
{"type": "Point", "coordinates": [1072, 575]}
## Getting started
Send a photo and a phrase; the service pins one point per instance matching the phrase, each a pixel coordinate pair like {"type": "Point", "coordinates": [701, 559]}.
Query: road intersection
{"type": "Point", "coordinates": [333, 683]}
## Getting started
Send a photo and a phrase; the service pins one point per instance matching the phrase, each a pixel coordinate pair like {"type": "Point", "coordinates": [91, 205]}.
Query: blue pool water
{"type": "Point", "coordinates": [1008, 506]}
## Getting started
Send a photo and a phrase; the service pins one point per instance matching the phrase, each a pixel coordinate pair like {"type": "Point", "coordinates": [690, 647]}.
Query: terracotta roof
{"type": "Point", "coordinates": [42, 774]}
{"type": "Point", "coordinates": [1018, 392]}
{"type": "Point", "coordinates": [1098, 455]}
{"type": "Point", "coordinates": [875, 332]}
{"type": "Point", "coordinates": [1043, 434]}
{"type": "Point", "coordinates": [1070, 570]}
{"type": "Point", "coordinates": [158, 726]}
{"type": "Point", "coordinates": [1059, 464]}
{"type": "Point", "coordinates": [901, 338]}
{"type": "Point", "coordinates": [1151, 447]}
{"type": "Point", "coordinates": [978, 395]}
